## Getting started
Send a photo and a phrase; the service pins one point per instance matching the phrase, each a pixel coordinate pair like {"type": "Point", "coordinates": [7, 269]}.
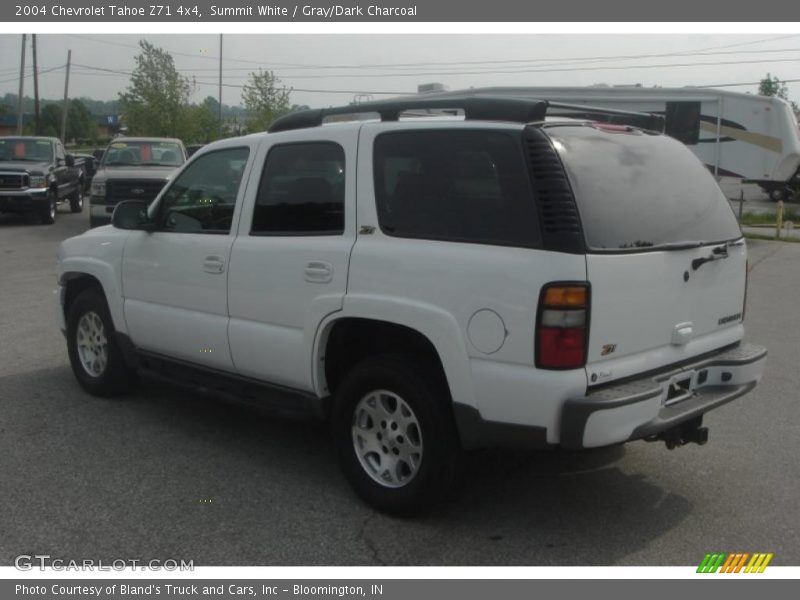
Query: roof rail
{"type": "Point", "coordinates": [481, 108]}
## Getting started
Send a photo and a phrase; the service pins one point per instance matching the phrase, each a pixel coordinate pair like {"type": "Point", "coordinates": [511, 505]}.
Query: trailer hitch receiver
{"type": "Point", "coordinates": [689, 432]}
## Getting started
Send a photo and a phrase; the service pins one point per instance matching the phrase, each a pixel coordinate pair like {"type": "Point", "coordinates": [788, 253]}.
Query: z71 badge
{"type": "Point", "coordinates": [607, 349]}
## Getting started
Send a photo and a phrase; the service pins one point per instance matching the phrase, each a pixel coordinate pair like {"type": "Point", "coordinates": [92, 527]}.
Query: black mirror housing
{"type": "Point", "coordinates": [69, 160]}
{"type": "Point", "coordinates": [131, 214]}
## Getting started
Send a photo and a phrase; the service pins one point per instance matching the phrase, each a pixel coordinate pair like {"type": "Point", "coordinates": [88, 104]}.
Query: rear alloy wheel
{"type": "Point", "coordinates": [76, 199]}
{"type": "Point", "coordinates": [387, 438]}
{"type": "Point", "coordinates": [47, 213]}
{"type": "Point", "coordinates": [395, 435]}
{"type": "Point", "coordinates": [95, 357]}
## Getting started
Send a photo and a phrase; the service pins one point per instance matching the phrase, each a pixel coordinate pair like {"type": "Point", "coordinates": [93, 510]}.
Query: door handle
{"type": "Point", "coordinates": [318, 271]}
{"type": "Point", "coordinates": [213, 264]}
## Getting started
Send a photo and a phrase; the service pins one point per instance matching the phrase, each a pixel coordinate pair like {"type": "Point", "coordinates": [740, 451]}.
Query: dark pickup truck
{"type": "Point", "coordinates": [36, 175]}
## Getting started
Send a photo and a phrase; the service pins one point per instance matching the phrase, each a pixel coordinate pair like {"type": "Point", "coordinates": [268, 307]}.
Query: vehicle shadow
{"type": "Point", "coordinates": [18, 219]}
{"type": "Point", "coordinates": [166, 472]}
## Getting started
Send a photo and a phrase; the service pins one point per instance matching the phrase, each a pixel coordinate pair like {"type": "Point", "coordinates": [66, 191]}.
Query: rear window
{"type": "Point", "coordinates": [456, 185]}
{"type": "Point", "coordinates": [636, 190]}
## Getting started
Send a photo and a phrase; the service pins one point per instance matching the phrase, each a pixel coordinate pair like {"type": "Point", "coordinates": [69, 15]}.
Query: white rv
{"type": "Point", "coordinates": [744, 136]}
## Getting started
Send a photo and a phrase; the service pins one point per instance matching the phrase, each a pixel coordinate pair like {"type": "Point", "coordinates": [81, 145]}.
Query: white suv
{"type": "Point", "coordinates": [428, 285]}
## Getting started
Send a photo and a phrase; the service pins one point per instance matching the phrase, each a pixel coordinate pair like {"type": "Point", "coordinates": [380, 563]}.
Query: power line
{"type": "Point", "coordinates": [699, 52]}
{"type": "Point", "coordinates": [541, 70]}
{"type": "Point", "coordinates": [719, 85]}
{"type": "Point", "coordinates": [27, 75]}
{"type": "Point", "coordinates": [231, 85]}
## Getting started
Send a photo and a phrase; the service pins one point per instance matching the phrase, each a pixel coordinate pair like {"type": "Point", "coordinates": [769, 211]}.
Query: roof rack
{"type": "Point", "coordinates": [648, 121]}
{"type": "Point", "coordinates": [481, 108]}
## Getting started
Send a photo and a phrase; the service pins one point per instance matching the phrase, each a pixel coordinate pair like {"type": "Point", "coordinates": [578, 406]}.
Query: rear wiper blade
{"type": "Point", "coordinates": [683, 245]}
{"type": "Point", "coordinates": [718, 253]}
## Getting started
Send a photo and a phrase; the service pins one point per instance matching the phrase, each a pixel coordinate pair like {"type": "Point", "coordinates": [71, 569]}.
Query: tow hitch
{"type": "Point", "coordinates": [689, 432]}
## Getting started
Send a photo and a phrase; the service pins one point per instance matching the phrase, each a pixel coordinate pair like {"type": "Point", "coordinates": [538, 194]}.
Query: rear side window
{"type": "Point", "coordinates": [637, 191]}
{"type": "Point", "coordinates": [455, 185]}
{"type": "Point", "coordinates": [301, 191]}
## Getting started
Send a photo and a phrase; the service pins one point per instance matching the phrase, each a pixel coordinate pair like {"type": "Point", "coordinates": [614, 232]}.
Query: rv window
{"type": "Point", "coordinates": [683, 121]}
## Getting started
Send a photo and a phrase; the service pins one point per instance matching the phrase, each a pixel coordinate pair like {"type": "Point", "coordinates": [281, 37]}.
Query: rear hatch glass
{"type": "Point", "coordinates": [652, 217]}
{"type": "Point", "coordinates": [636, 190]}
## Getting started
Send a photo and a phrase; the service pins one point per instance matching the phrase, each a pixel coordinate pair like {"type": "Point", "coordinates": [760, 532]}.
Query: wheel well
{"type": "Point", "coordinates": [77, 283]}
{"type": "Point", "coordinates": [351, 340]}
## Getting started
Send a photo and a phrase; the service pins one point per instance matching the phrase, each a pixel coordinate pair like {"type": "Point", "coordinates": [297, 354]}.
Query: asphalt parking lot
{"type": "Point", "coordinates": [168, 474]}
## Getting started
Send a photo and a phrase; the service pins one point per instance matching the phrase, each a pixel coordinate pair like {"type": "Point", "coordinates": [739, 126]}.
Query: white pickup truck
{"type": "Point", "coordinates": [428, 285]}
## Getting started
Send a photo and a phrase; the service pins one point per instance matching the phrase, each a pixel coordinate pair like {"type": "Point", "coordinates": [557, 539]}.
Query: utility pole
{"type": "Point", "coordinates": [37, 129]}
{"type": "Point", "coordinates": [21, 86]}
{"type": "Point", "coordinates": [220, 85]}
{"type": "Point", "coordinates": [66, 98]}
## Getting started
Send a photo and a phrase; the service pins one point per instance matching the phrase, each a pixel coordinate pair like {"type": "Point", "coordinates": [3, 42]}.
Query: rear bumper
{"type": "Point", "coordinates": [14, 201]}
{"type": "Point", "coordinates": [640, 408]}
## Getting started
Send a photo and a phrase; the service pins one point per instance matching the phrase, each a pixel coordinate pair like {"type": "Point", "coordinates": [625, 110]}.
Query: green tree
{"type": "Point", "coordinates": [264, 99]}
{"type": "Point", "coordinates": [80, 123]}
{"type": "Point", "coordinates": [156, 101]}
{"type": "Point", "coordinates": [202, 126]}
{"type": "Point", "coordinates": [772, 86]}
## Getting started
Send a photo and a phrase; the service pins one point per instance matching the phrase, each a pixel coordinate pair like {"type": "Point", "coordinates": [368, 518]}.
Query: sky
{"type": "Point", "coordinates": [327, 70]}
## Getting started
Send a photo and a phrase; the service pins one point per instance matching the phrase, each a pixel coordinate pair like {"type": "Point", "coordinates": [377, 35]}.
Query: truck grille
{"type": "Point", "coordinates": [118, 190]}
{"type": "Point", "coordinates": [12, 181]}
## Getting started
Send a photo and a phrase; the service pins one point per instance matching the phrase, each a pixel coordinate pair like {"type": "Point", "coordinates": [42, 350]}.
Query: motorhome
{"type": "Point", "coordinates": [752, 138]}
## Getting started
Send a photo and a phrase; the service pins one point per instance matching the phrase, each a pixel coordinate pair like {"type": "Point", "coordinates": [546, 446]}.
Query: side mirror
{"type": "Point", "coordinates": [132, 214]}
{"type": "Point", "coordinates": [69, 160]}
{"type": "Point", "coordinates": [90, 166]}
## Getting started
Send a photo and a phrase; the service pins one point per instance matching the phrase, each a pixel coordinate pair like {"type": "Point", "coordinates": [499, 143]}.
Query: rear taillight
{"type": "Point", "coordinates": [562, 326]}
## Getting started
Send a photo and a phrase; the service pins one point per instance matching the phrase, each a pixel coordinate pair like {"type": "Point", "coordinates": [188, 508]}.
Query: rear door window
{"type": "Point", "coordinates": [456, 185]}
{"type": "Point", "coordinates": [636, 191]}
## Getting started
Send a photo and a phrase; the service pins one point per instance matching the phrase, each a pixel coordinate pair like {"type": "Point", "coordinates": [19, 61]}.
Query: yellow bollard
{"type": "Point", "coordinates": [779, 220]}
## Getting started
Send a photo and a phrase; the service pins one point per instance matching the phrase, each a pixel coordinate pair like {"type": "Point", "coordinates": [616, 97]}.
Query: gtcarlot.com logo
{"type": "Point", "coordinates": [27, 562]}
{"type": "Point", "coordinates": [734, 562]}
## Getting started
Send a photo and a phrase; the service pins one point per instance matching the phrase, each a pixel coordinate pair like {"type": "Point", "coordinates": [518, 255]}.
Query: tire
{"type": "Point", "coordinates": [777, 194]}
{"type": "Point", "coordinates": [90, 333]}
{"type": "Point", "coordinates": [399, 463]}
{"type": "Point", "coordinates": [47, 213]}
{"type": "Point", "coordinates": [76, 199]}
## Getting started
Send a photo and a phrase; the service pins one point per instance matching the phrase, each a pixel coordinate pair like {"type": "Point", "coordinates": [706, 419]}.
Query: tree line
{"type": "Point", "coordinates": [157, 102]}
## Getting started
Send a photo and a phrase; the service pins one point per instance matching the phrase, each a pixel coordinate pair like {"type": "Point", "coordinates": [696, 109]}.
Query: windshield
{"type": "Point", "coordinates": [22, 149]}
{"type": "Point", "coordinates": [143, 154]}
{"type": "Point", "coordinates": [637, 191]}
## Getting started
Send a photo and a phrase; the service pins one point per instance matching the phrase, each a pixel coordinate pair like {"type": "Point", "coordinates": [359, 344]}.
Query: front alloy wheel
{"type": "Point", "coordinates": [94, 354]}
{"type": "Point", "coordinates": [92, 344]}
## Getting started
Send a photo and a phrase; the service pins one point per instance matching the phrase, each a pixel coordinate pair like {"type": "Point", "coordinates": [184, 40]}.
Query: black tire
{"type": "Point", "coordinates": [47, 213]}
{"type": "Point", "coordinates": [116, 378]}
{"type": "Point", "coordinates": [427, 397]}
{"type": "Point", "coordinates": [76, 199]}
{"type": "Point", "coordinates": [777, 194]}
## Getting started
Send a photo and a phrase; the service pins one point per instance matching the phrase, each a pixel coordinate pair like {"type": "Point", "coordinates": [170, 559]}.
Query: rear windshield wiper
{"type": "Point", "coordinates": [718, 253]}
